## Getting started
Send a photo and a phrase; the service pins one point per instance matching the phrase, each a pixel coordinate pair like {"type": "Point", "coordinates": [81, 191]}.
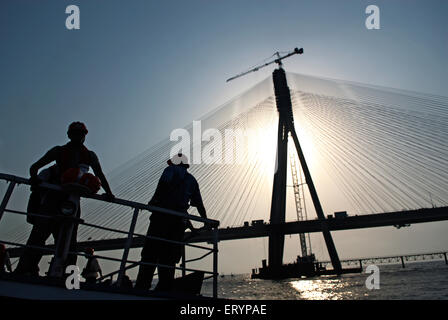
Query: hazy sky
{"type": "Point", "coordinates": [138, 69]}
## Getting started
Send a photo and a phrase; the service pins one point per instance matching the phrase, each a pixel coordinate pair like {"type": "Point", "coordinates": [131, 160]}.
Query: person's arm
{"type": "Point", "coordinates": [196, 201]}
{"type": "Point", "coordinates": [46, 159]}
{"type": "Point", "coordinates": [99, 173]}
{"type": "Point", "coordinates": [202, 212]}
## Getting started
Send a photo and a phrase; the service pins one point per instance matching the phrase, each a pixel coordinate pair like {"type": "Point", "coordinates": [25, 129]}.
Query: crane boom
{"type": "Point", "coordinates": [278, 61]}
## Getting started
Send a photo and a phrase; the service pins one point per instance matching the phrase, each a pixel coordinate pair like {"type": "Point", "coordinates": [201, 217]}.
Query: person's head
{"type": "Point", "coordinates": [179, 160]}
{"type": "Point", "coordinates": [89, 251]}
{"type": "Point", "coordinates": [77, 132]}
{"type": "Point", "coordinates": [2, 247]}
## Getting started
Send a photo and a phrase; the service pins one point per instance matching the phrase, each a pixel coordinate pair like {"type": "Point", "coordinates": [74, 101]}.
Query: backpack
{"type": "Point", "coordinates": [43, 201]}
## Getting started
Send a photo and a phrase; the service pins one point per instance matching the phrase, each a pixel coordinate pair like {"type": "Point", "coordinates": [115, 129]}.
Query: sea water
{"type": "Point", "coordinates": [418, 280]}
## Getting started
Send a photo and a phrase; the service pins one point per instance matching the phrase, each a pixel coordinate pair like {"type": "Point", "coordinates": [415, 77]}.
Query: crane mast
{"type": "Point", "coordinates": [299, 197]}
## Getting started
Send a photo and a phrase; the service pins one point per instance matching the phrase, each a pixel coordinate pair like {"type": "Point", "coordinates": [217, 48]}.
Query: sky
{"type": "Point", "coordinates": [136, 70]}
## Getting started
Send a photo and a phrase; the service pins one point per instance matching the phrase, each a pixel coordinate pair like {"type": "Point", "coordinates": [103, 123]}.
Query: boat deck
{"type": "Point", "coordinates": [45, 288]}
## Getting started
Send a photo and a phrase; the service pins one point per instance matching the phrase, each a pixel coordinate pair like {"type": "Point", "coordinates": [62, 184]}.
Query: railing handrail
{"type": "Point", "coordinates": [133, 262]}
{"type": "Point", "coordinates": [83, 223]}
{"type": "Point", "coordinates": [14, 180]}
{"type": "Point", "coordinates": [133, 204]}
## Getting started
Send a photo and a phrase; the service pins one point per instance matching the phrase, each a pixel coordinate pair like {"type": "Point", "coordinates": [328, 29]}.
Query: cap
{"type": "Point", "coordinates": [179, 160]}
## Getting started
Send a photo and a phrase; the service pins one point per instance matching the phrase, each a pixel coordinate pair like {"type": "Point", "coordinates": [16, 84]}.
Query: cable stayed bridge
{"type": "Point", "coordinates": [369, 149]}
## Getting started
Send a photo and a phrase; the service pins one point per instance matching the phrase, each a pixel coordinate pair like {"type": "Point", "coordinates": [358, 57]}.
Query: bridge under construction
{"type": "Point", "coordinates": [397, 219]}
{"type": "Point", "coordinates": [374, 149]}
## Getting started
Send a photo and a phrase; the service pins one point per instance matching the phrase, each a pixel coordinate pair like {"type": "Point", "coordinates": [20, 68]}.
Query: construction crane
{"type": "Point", "coordinates": [296, 175]}
{"type": "Point", "coordinates": [278, 200]}
{"type": "Point", "coordinates": [299, 197]}
{"type": "Point", "coordinates": [278, 61]}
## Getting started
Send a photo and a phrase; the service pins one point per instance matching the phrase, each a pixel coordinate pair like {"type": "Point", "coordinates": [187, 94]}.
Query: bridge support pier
{"type": "Point", "coordinates": [278, 204]}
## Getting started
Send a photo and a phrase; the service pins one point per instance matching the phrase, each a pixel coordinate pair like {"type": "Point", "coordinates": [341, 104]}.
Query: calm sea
{"type": "Point", "coordinates": [419, 280]}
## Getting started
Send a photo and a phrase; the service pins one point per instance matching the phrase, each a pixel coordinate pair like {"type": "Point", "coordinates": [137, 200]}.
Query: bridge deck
{"type": "Point", "coordinates": [398, 218]}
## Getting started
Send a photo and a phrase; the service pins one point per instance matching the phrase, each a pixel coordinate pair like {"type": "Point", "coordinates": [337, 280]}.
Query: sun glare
{"type": "Point", "coordinates": [262, 147]}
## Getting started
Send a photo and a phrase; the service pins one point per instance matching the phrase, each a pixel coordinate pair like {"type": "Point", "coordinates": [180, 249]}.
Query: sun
{"type": "Point", "coordinates": [262, 145]}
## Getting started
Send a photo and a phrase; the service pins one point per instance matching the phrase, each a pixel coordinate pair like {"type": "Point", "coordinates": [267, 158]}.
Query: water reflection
{"type": "Point", "coordinates": [322, 289]}
{"type": "Point", "coordinates": [424, 280]}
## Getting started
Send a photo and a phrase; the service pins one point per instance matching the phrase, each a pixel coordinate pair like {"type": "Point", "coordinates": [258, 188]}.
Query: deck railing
{"type": "Point", "coordinates": [137, 207]}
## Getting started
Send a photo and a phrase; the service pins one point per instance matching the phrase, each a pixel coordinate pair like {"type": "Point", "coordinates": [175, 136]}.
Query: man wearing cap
{"type": "Point", "coordinates": [177, 190]}
{"type": "Point", "coordinates": [92, 268]}
{"type": "Point", "coordinates": [71, 155]}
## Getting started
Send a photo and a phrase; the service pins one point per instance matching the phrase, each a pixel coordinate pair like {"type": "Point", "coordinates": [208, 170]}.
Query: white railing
{"type": "Point", "coordinates": [137, 208]}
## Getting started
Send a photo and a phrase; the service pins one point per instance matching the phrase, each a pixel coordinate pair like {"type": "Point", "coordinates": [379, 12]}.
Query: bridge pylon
{"type": "Point", "coordinates": [278, 204]}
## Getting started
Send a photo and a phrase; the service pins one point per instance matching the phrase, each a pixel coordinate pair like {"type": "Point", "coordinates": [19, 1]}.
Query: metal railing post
{"type": "Point", "coordinates": [5, 200]}
{"type": "Point", "coordinates": [126, 248]}
{"type": "Point", "coordinates": [183, 263]}
{"type": "Point", "coordinates": [62, 245]}
{"type": "Point", "coordinates": [215, 263]}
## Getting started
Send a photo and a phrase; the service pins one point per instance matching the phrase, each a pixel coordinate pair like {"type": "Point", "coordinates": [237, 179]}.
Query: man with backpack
{"type": "Point", "coordinates": [47, 203]}
{"type": "Point", "coordinates": [177, 190]}
{"type": "Point", "coordinates": [92, 269]}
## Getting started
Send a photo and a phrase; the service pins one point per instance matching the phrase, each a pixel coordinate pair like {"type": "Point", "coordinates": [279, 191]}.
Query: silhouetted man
{"type": "Point", "coordinates": [177, 190]}
{"type": "Point", "coordinates": [71, 155]}
{"type": "Point", "coordinates": [92, 269]}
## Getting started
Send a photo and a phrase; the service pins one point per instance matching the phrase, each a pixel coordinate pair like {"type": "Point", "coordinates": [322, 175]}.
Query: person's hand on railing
{"type": "Point", "coordinates": [214, 224]}
{"type": "Point", "coordinates": [35, 181]}
{"type": "Point", "coordinates": [108, 196]}
{"type": "Point", "coordinates": [206, 227]}
{"type": "Point", "coordinates": [189, 225]}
